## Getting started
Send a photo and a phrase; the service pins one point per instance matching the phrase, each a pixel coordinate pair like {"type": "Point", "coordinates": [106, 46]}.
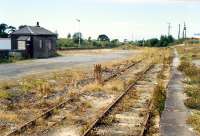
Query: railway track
{"type": "Point", "coordinates": [52, 112]}
{"type": "Point", "coordinates": [112, 122]}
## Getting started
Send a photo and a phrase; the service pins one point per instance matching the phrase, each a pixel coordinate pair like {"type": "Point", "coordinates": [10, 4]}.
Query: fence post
{"type": "Point", "coordinates": [98, 73]}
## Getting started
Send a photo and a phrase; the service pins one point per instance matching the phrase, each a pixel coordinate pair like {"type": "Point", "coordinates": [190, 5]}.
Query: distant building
{"type": "Point", "coordinates": [196, 36]}
{"type": "Point", "coordinates": [34, 41]}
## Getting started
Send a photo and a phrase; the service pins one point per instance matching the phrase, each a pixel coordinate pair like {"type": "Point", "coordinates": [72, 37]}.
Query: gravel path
{"type": "Point", "coordinates": [15, 70]}
{"type": "Point", "coordinates": [173, 120]}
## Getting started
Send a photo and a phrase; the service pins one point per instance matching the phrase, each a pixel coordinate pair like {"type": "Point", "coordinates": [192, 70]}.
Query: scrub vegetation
{"type": "Point", "coordinates": [192, 82]}
{"type": "Point", "coordinates": [159, 95]}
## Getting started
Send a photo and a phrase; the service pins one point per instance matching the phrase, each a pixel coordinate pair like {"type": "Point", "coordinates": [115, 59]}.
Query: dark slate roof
{"type": "Point", "coordinates": [33, 30]}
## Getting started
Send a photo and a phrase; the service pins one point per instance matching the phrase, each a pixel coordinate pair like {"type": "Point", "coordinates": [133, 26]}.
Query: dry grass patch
{"type": "Point", "coordinates": [93, 87]}
{"type": "Point", "coordinates": [114, 86]}
{"type": "Point", "coordinates": [194, 120]}
{"type": "Point", "coordinates": [192, 90]}
{"type": "Point", "coordinates": [126, 102]}
{"type": "Point", "coordinates": [110, 87]}
{"type": "Point", "coordinates": [159, 97]}
{"type": "Point", "coordinates": [7, 85]}
{"type": "Point", "coordinates": [108, 120]}
{"type": "Point", "coordinates": [10, 117]}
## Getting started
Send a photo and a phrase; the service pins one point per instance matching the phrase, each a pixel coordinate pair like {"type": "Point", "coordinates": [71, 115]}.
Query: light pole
{"type": "Point", "coordinates": [169, 29]}
{"type": "Point", "coordinates": [79, 33]}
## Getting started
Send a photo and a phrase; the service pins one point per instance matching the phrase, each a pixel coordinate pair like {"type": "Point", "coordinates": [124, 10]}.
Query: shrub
{"type": "Point", "coordinates": [159, 98]}
{"type": "Point", "coordinates": [193, 103]}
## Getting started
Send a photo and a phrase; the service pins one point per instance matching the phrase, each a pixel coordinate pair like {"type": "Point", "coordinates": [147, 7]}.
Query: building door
{"type": "Point", "coordinates": [29, 49]}
{"type": "Point", "coordinates": [48, 45]}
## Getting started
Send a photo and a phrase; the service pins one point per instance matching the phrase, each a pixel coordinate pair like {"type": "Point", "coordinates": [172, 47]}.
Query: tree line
{"type": "Point", "coordinates": [102, 41]}
{"type": "Point", "coordinates": [76, 41]}
{"type": "Point", "coordinates": [155, 42]}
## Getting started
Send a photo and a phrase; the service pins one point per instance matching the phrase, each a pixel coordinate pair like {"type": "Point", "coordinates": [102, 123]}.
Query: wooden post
{"type": "Point", "coordinates": [98, 73]}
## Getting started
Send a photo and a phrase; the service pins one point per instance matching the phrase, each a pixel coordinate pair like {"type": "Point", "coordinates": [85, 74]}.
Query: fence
{"type": "Point", "coordinates": [5, 54]}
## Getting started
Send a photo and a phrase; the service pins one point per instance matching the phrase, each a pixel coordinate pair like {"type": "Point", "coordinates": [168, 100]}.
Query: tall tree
{"type": "Point", "coordinates": [77, 36]}
{"type": "Point", "coordinates": [89, 39]}
{"type": "Point", "coordinates": [5, 30]}
{"type": "Point", "coordinates": [11, 29]}
{"type": "Point", "coordinates": [69, 36]}
{"type": "Point", "coordinates": [3, 27]}
{"type": "Point", "coordinates": [3, 33]}
{"type": "Point", "coordinates": [103, 37]}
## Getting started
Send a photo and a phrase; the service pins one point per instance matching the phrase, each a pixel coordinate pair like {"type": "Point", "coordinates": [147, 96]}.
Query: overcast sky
{"type": "Point", "coordinates": [130, 19]}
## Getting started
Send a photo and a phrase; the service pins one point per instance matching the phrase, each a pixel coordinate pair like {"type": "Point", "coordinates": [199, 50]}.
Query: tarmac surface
{"type": "Point", "coordinates": [173, 119]}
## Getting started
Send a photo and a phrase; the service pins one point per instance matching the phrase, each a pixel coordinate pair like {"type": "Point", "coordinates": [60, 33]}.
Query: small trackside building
{"type": "Point", "coordinates": [34, 42]}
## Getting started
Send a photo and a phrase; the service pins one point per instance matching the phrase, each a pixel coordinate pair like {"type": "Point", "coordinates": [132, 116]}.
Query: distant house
{"type": "Point", "coordinates": [34, 41]}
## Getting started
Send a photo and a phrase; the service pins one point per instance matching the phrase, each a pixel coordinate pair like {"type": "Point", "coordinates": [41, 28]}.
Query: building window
{"type": "Point", "coordinates": [48, 44]}
{"type": "Point", "coordinates": [21, 45]}
{"type": "Point", "coordinates": [40, 44]}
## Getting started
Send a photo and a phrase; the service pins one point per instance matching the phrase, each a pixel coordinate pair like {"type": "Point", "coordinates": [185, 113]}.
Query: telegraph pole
{"type": "Point", "coordinates": [79, 37]}
{"type": "Point", "coordinates": [185, 28]}
{"type": "Point", "coordinates": [179, 31]}
{"type": "Point", "coordinates": [184, 31]}
{"type": "Point", "coordinates": [169, 29]}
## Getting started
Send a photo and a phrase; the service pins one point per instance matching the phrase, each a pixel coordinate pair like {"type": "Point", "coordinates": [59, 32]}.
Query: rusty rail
{"type": "Point", "coordinates": [50, 112]}
{"type": "Point", "coordinates": [109, 107]}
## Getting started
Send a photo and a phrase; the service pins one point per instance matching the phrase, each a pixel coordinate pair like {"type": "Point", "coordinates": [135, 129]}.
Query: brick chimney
{"type": "Point", "coordinates": [38, 24]}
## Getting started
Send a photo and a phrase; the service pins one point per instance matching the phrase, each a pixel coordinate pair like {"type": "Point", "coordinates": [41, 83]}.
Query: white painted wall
{"type": "Point", "coordinates": [5, 43]}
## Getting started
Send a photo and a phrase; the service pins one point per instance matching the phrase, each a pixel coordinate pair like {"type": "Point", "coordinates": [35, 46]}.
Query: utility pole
{"type": "Point", "coordinates": [132, 37]}
{"type": "Point", "coordinates": [179, 31]}
{"type": "Point", "coordinates": [185, 28]}
{"type": "Point", "coordinates": [79, 33]}
{"type": "Point", "coordinates": [184, 31]}
{"type": "Point", "coordinates": [169, 29]}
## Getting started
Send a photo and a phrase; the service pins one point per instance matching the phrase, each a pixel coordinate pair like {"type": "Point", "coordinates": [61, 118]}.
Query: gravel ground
{"type": "Point", "coordinates": [76, 59]}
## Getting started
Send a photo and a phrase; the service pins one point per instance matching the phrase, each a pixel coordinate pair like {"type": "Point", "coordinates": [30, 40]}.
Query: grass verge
{"type": "Point", "coordinates": [192, 73]}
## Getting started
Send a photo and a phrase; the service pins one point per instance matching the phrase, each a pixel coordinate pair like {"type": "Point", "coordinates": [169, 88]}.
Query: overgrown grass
{"type": "Point", "coordinates": [159, 95]}
{"type": "Point", "coordinates": [192, 90]}
{"type": "Point", "coordinates": [11, 59]}
{"type": "Point", "coordinates": [159, 98]}
{"type": "Point", "coordinates": [93, 87]}
{"type": "Point", "coordinates": [11, 117]}
{"type": "Point", "coordinates": [194, 120]}
{"type": "Point", "coordinates": [108, 120]}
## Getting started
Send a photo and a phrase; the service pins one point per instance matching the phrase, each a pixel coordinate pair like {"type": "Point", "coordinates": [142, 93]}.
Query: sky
{"type": "Point", "coordinates": [119, 19]}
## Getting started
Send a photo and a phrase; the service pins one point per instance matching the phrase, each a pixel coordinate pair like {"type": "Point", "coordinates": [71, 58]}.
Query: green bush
{"type": "Point", "coordinates": [154, 42]}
